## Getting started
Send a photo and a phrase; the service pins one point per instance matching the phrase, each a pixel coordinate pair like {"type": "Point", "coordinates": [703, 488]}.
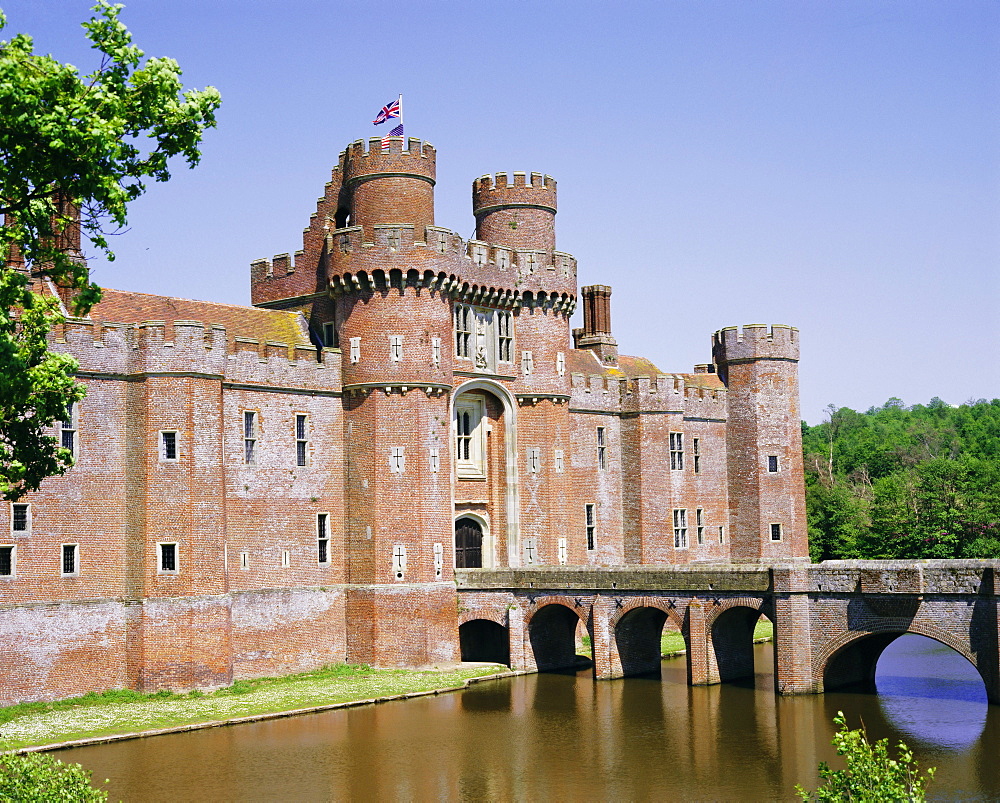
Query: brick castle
{"type": "Point", "coordinates": [264, 490]}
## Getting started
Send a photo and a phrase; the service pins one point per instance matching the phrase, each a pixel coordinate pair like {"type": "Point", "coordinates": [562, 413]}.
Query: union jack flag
{"type": "Point", "coordinates": [389, 111]}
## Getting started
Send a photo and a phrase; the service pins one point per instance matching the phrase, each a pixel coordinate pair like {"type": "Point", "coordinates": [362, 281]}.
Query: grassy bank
{"type": "Point", "coordinates": [118, 712]}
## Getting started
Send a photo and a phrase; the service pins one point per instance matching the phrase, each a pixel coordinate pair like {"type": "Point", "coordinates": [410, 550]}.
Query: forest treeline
{"type": "Point", "coordinates": [904, 482]}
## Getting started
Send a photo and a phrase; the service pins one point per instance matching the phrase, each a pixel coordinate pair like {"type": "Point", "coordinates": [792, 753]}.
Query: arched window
{"type": "Point", "coordinates": [468, 544]}
{"type": "Point", "coordinates": [470, 438]}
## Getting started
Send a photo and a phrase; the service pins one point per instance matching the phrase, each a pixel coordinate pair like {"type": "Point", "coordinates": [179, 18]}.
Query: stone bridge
{"type": "Point", "coordinates": [831, 620]}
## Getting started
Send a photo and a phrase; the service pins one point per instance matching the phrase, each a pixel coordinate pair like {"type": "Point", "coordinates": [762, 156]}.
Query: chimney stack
{"type": "Point", "coordinates": [596, 332]}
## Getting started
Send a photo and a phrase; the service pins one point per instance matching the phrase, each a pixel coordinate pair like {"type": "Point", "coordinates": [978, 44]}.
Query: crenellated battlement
{"type": "Point", "coordinates": [399, 247]}
{"type": "Point", "coordinates": [277, 267]}
{"type": "Point", "coordinates": [191, 347]}
{"type": "Point", "coordinates": [364, 159]}
{"type": "Point", "coordinates": [673, 393]}
{"type": "Point", "coordinates": [516, 189]}
{"type": "Point", "coordinates": [755, 342]}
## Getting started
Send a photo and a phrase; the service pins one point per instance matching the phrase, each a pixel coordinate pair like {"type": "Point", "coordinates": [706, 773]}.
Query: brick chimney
{"type": "Point", "coordinates": [596, 332]}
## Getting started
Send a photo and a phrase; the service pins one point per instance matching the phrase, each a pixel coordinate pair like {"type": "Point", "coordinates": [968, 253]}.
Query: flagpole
{"type": "Point", "coordinates": [401, 120]}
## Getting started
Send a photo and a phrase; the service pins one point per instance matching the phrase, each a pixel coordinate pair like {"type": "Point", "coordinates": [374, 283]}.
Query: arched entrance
{"type": "Point", "coordinates": [468, 544]}
{"type": "Point", "coordinates": [484, 640]}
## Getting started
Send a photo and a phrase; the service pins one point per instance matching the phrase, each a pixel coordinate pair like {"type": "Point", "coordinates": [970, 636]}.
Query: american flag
{"type": "Point", "coordinates": [389, 111]}
{"type": "Point", "coordinates": [396, 132]}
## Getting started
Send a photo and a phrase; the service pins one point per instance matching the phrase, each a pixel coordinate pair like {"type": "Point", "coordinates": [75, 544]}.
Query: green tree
{"type": "Point", "coordinates": [75, 150]}
{"type": "Point", "coordinates": [36, 776]}
{"type": "Point", "coordinates": [871, 775]}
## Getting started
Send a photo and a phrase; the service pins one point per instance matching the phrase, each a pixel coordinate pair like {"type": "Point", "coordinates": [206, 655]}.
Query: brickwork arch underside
{"type": "Point", "coordinates": [850, 658]}
{"type": "Point", "coordinates": [551, 624]}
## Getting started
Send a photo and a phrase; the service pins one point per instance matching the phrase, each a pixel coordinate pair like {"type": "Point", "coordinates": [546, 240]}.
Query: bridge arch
{"type": "Point", "coordinates": [730, 629]}
{"type": "Point", "coordinates": [551, 625]}
{"type": "Point", "coordinates": [482, 639]}
{"type": "Point", "coordinates": [851, 658]}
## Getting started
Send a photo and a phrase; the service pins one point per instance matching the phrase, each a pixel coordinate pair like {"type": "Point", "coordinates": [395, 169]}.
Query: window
{"type": "Point", "coordinates": [527, 363]}
{"type": "Point", "coordinates": [775, 532]}
{"type": "Point", "coordinates": [590, 515]}
{"type": "Point", "coordinates": [470, 438]}
{"type": "Point", "coordinates": [244, 560]}
{"type": "Point", "coordinates": [396, 348]}
{"type": "Point", "coordinates": [355, 349]}
{"type": "Point", "coordinates": [67, 430]}
{"type": "Point", "coordinates": [435, 459]}
{"type": "Point", "coordinates": [330, 339]}
{"type": "Point", "coordinates": [680, 529]}
{"type": "Point", "coordinates": [286, 559]}
{"type": "Point", "coordinates": [534, 459]}
{"type": "Point", "coordinates": [168, 445]}
{"type": "Point", "coordinates": [323, 537]}
{"type": "Point", "coordinates": [722, 535]}
{"type": "Point", "coordinates": [696, 449]}
{"type": "Point", "coordinates": [301, 438]}
{"type": "Point", "coordinates": [436, 352]}
{"type": "Point", "coordinates": [560, 461]}
{"type": "Point", "coordinates": [249, 437]}
{"type": "Point", "coordinates": [561, 364]}
{"type": "Point", "coordinates": [505, 336]}
{"type": "Point", "coordinates": [676, 451]}
{"type": "Point", "coordinates": [70, 562]}
{"type": "Point", "coordinates": [699, 516]}
{"type": "Point", "coordinates": [463, 331]}
{"type": "Point", "coordinates": [562, 551]}
{"type": "Point", "coordinates": [602, 450]}
{"type": "Point", "coordinates": [772, 463]}
{"type": "Point", "coordinates": [168, 558]}
{"type": "Point", "coordinates": [6, 561]}
{"type": "Point", "coordinates": [397, 460]}
{"type": "Point", "coordinates": [20, 518]}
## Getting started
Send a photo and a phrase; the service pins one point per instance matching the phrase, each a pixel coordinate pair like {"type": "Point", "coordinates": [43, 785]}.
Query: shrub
{"type": "Point", "coordinates": [872, 775]}
{"type": "Point", "coordinates": [40, 777]}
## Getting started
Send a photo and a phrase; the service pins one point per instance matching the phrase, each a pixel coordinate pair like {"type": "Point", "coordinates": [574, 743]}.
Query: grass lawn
{"type": "Point", "coordinates": [116, 712]}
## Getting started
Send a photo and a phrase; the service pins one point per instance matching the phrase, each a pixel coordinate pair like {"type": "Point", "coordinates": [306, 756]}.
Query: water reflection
{"type": "Point", "coordinates": [952, 708]}
{"type": "Point", "coordinates": [561, 737]}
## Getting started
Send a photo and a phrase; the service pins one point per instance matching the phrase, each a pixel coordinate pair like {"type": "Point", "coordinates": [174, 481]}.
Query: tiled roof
{"type": "Point", "coordinates": [584, 361]}
{"type": "Point", "coordinates": [120, 306]}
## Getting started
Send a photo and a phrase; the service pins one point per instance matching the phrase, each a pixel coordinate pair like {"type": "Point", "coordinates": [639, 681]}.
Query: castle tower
{"type": "Point", "coordinates": [767, 516]}
{"type": "Point", "coordinates": [519, 215]}
{"type": "Point", "coordinates": [596, 332]}
{"type": "Point", "coordinates": [395, 335]}
{"type": "Point", "coordinates": [393, 186]}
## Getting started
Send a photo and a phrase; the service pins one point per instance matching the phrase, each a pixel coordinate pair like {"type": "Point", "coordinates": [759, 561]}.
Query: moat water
{"type": "Point", "coordinates": [565, 737]}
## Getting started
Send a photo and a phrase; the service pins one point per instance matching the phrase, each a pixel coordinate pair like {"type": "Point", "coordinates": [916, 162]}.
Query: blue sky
{"type": "Point", "coordinates": [830, 165]}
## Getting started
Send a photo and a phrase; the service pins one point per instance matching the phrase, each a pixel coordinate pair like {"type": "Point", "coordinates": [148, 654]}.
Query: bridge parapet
{"type": "Point", "coordinates": [963, 577]}
{"type": "Point", "coordinates": [619, 578]}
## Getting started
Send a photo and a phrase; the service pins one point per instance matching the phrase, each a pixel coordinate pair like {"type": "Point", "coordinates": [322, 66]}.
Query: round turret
{"type": "Point", "coordinates": [391, 186]}
{"type": "Point", "coordinates": [518, 214]}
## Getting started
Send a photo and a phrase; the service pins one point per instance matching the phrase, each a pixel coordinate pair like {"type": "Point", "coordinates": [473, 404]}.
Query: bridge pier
{"type": "Point", "coordinates": [793, 664]}
{"type": "Point", "coordinates": [702, 671]}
